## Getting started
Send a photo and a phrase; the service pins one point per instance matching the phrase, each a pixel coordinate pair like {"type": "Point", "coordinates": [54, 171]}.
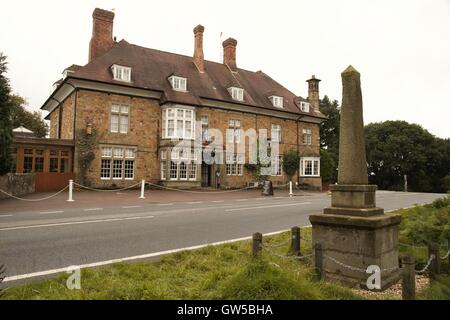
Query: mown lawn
{"type": "Point", "coordinates": [229, 271]}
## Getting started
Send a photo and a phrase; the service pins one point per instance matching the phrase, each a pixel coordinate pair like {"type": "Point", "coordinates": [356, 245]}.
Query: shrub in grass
{"type": "Point", "coordinates": [260, 280]}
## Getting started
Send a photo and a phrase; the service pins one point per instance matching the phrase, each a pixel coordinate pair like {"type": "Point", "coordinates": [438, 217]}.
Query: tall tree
{"type": "Point", "coordinates": [20, 116]}
{"type": "Point", "coordinates": [5, 118]}
{"type": "Point", "coordinates": [398, 148]}
{"type": "Point", "coordinates": [329, 132]}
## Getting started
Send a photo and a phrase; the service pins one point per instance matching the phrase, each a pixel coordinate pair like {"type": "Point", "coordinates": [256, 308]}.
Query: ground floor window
{"type": "Point", "coordinates": [163, 170]}
{"type": "Point", "coordinates": [310, 166]}
{"type": "Point", "coordinates": [117, 162]}
{"type": "Point", "coordinates": [179, 170]}
{"type": "Point", "coordinates": [277, 162]}
{"type": "Point", "coordinates": [234, 164]}
{"type": "Point", "coordinates": [33, 160]}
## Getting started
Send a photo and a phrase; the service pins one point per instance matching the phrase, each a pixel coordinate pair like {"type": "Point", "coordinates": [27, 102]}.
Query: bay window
{"type": "Point", "coordinates": [178, 123]}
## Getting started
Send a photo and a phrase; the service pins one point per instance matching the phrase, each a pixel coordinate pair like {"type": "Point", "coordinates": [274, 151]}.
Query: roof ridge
{"type": "Point", "coordinates": [182, 55]}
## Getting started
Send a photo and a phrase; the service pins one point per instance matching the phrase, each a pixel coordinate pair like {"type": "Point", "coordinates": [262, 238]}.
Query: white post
{"type": "Point", "coordinates": [70, 191]}
{"type": "Point", "coordinates": [142, 189]}
{"type": "Point", "coordinates": [290, 189]}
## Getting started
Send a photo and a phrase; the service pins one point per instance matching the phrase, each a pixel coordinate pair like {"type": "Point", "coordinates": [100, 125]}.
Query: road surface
{"type": "Point", "coordinates": [43, 240]}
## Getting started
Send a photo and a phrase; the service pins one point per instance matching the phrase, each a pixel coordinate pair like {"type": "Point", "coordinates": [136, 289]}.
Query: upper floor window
{"type": "Point", "coordinates": [236, 93]}
{"type": "Point", "coordinates": [310, 166]}
{"type": "Point", "coordinates": [178, 123]}
{"type": "Point", "coordinates": [234, 131]}
{"type": "Point", "coordinates": [121, 73]}
{"type": "Point", "coordinates": [205, 123]}
{"type": "Point", "coordinates": [277, 101]}
{"type": "Point", "coordinates": [304, 106]}
{"type": "Point", "coordinates": [178, 83]}
{"type": "Point", "coordinates": [119, 118]}
{"type": "Point", "coordinates": [307, 136]}
{"type": "Point", "coordinates": [276, 132]}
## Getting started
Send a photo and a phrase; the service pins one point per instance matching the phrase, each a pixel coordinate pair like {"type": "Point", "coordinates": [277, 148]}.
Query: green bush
{"type": "Point", "coordinates": [259, 280]}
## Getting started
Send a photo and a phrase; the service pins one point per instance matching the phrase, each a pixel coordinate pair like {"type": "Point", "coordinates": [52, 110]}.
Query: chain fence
{"type": "Point", "coordinates": [202, 192]}
{"type": "Point", "coordinates": [106, 190]}
{"type": "Point", "coordinates": [33, 200]}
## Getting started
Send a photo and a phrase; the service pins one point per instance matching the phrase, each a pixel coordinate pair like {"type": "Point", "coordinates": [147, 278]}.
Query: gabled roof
{"type": "Point", "coordinates": [151, 68]}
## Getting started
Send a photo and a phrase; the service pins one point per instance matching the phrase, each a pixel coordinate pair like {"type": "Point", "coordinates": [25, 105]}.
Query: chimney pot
{"type": "Point", "coordinates": [229, 53]}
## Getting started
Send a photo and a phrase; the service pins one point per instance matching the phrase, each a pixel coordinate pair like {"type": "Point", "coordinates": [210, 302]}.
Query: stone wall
{"type": "Point", "coordinates": [145, 134]}
{"type": "Point", "coordinates": [17, 184]}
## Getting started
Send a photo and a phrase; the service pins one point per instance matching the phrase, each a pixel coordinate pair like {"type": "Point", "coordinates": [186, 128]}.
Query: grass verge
{"type": "Point", "coordinates": [229, 272]}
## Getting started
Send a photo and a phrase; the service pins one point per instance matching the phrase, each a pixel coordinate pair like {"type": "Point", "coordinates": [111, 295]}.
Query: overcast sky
{"type": "Point", "coordinates": [401, 48]}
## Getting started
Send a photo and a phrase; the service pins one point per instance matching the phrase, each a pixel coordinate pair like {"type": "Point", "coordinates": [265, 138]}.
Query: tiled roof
{"type": "Point", "coordinates": [151, 69]}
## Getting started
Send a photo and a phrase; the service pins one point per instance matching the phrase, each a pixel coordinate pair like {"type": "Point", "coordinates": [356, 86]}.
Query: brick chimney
{"type": "Point", "coordinates": [198, 48]}
{"type": "Point", "coordinates": [313, 92]}
{"type": "Point", "coordinates": [229, 53]}
{"type": "Point", "coordinates": [102, 33]}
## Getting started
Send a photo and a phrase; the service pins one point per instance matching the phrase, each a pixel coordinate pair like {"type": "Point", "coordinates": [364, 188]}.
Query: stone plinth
{"type": "Point", "coordinates": [353, 200]}
{"type": "Point", "coordinates": [358, 242]}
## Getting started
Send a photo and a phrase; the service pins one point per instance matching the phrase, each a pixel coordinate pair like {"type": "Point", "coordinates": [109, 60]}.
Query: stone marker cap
{"type": "Point", "coordinates": [350, 69]}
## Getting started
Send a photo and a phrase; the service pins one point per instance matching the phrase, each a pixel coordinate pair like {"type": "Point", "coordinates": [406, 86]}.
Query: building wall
{"type": "Point", "coordinates": [94, 108]}
{"type": "Point", "coordinates": [145, 117]}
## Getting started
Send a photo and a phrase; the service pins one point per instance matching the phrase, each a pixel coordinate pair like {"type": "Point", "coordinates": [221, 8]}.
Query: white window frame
{"type": "Point", "coordinates": [177, 116]}
{"type": "Point", "coordinates": [118, 153]}
{"type": "Point", "coordinates": [307, 137]}
{"type": "Point", "coordinates": [275, 132]}
{"type": "Point", "coordinates": [192, 166]}
{"type": "Point", "coordinates": [121, 73]}
{"type": "Point", "coordinates": [178, 83]}
{"type": "Point", "coordinates": [122, 112]}
{"type": "Point", "coordinates": [277, 165]}
{"type": "Point", "coordinates": [176, 163]}
{"type": "Point", "coordinates": [163, 166]}
{"type": "Point", "coordinates": [277, 101]}
{"type": "Point", "coordinates": [236, 93]}
{"type": "Point", "coordinates": [315, 166]}
{"type": "Point", "coordinates": [234, 131]}
{"type": "Point", "coordinates": [304, 106]}
{"type": "Point", "coordinates": [234, 164]}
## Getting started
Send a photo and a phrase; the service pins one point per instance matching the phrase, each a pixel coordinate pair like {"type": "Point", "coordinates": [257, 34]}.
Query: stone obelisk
{"type": "Point", "coordinates": [353, 231]}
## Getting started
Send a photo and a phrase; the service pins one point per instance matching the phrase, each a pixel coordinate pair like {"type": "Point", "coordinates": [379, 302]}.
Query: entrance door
{"type": "Point", "coordinates": [206, 175]}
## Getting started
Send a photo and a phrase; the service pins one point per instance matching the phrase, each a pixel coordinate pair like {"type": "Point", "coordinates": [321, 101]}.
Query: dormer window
{"type": "Point", "coordinates": [304, 106]}
{"type": "Point", "coordinates": [121, 73]}
{"type": "Point", "coordinates": [236, 93]}
{"type": "Point", "coordinates": [277, 101]}
{"type": "Point", "coordinates": [178, 83]}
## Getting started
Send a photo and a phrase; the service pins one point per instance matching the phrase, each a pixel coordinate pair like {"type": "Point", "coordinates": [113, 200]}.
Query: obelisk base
{"type": "Point", "coordinates": [357, 242]}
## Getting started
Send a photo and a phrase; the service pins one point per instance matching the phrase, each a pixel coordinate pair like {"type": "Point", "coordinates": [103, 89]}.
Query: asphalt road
{"type": "Point", "coordinates": [45, 240]}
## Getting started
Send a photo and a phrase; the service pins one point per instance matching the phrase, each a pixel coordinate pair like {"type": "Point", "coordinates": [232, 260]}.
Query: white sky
{"type": "Point", "coordinates": [401, 48]}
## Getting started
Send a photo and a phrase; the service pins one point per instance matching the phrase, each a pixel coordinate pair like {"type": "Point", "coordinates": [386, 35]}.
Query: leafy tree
{"type": "Point", "coordinates": [20, 116]}
{"type": "Point", "coordinates": [397, 148]}
{"type": "Point", "coordinates": [5, 118]}
{"type": "Point", "coordinates": [329, 130]}
{"type": "Point", "coordinates": [327, 166]}
{"type": "Point", "coordinates": [291, 162]}
{"type": "Point", "coordinates": [446, 183]}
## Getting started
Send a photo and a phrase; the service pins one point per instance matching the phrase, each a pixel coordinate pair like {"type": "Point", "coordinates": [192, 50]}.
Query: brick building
{"type": "Point", "coordinates": [140, 102]}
